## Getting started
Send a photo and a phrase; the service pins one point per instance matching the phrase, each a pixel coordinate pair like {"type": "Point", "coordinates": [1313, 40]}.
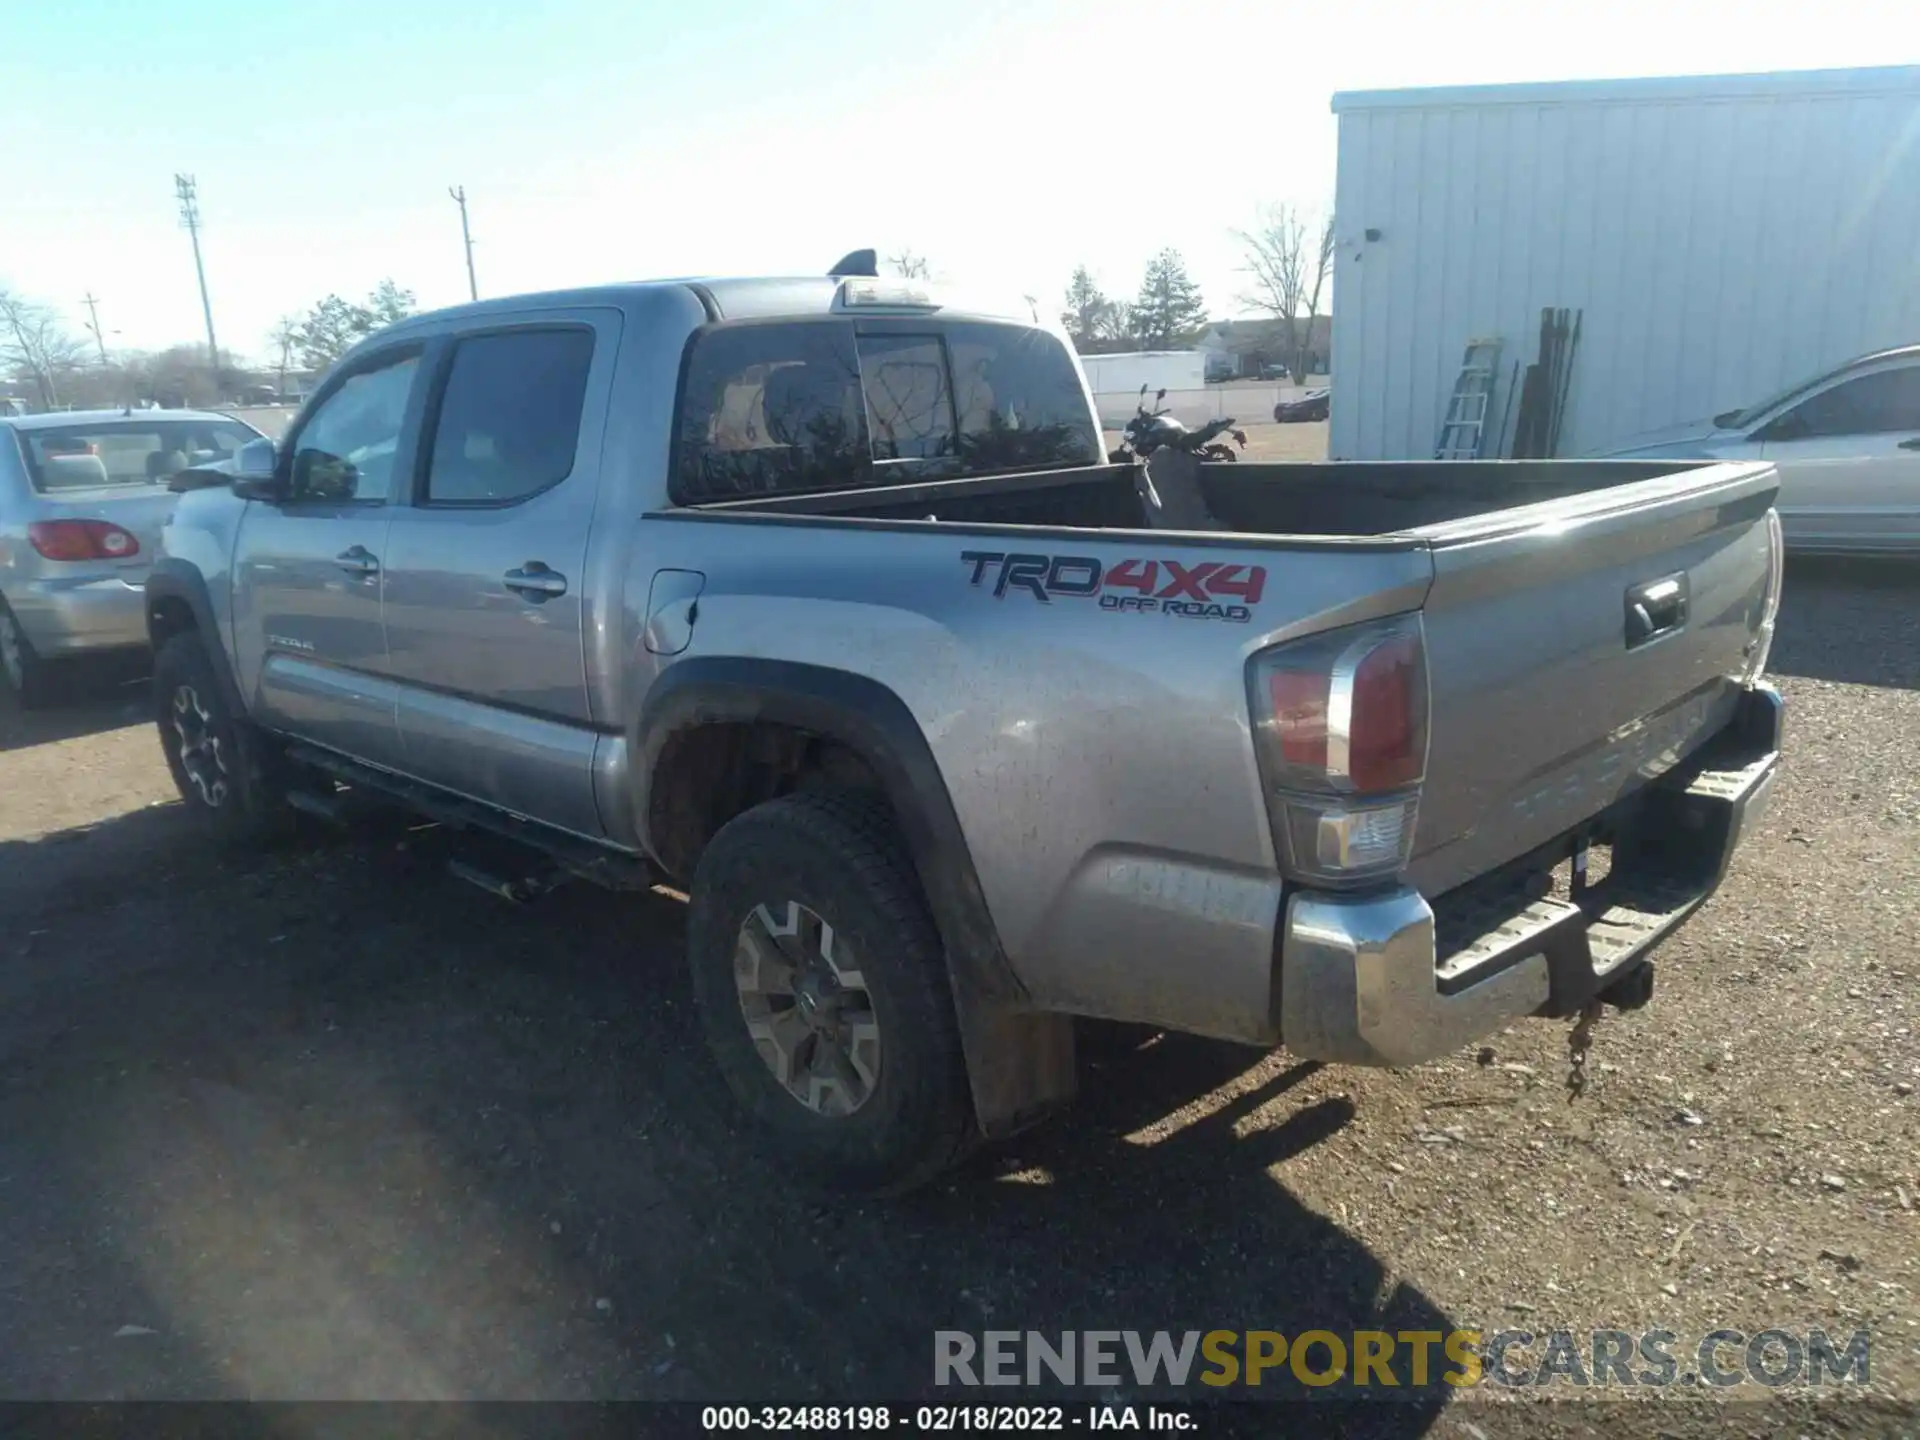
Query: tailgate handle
{"type": "Point", "coordinates": [1656, 608]}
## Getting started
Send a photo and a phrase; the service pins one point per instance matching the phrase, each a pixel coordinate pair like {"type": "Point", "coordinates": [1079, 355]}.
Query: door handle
{"type": "Point", "coordinates": [1656, 608]}
{"type": "Point", "coordinates": [1913, 444]}
{"type": "Point", "coordinates": [358, 561]}
{"type": "Point", "coordinates": [534, 581]}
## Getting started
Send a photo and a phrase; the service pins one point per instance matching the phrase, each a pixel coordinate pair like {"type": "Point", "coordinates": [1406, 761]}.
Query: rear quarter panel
{"type": "Point", "coordinates": [1099, 761]}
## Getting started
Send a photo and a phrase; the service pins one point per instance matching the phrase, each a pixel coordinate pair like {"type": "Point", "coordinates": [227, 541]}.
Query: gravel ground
{"type": "Point", "coordinates": [328, 1123]}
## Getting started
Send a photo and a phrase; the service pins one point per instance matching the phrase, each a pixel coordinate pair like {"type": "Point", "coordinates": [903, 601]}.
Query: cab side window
{"type": "Point", "coordinates": [509, 418]}
{"type": "Point", "coordinates": [344, 453]}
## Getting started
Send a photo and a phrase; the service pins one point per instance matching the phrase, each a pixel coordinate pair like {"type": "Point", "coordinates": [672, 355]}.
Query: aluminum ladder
{"type": "Point", "coordinates": [1464, 429]}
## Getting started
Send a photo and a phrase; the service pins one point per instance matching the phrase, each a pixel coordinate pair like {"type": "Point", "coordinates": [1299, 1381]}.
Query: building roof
{"type": "Point", "coordinates": [1881, 79]}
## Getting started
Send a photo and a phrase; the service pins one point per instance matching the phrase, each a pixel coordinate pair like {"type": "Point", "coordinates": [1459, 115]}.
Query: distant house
{"type": "Point", "coordinates": [1236, 348]}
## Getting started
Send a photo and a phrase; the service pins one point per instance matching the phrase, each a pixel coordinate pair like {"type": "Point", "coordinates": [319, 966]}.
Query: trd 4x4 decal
{"type": "Point", "coordinates": [1206, 590]}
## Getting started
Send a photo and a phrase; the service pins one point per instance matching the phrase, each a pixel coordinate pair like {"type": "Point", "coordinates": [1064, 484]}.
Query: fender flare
{"type": "Point", "coordinates": [174, 579]}
{"type": "Point", "coordinates": [1019, 1060]}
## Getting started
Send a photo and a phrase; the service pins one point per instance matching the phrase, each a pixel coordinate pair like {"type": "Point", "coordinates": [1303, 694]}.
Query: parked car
{"type": "Point", "coordinates": [1312, 405]}
{"type": "Point", "coordinates": [1846, 444]}
{"type": "Point", "coordinates": [819, 599]}
{"type": "Point", "coordinates": [82, 498]}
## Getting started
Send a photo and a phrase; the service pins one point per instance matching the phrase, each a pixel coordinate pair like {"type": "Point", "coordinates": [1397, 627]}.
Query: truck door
{"type": "Point", "coordinates": [308, 641]}
{"type": "Point", "coordinates": [485, 602]}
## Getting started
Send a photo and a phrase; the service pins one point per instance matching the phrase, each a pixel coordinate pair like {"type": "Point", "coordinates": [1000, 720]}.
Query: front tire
{"type": "Point", "coordinates": [220, 763]}
{"type": "Point", "coordinates": [822, 987]}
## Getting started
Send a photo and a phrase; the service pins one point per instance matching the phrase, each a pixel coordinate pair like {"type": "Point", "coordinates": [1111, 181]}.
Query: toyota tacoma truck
{"type": "Point", "coordinates": [820, 600]}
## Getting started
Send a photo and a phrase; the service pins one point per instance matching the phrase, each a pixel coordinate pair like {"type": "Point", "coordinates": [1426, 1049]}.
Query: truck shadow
{"type": "Point", "coordinates": [1850, 621]}
{"type": "Point", "coordinates": [333, 1125]}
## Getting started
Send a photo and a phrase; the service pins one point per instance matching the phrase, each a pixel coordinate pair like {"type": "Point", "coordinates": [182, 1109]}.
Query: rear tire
{"type": "Point", "coordinates": [22, 671]}
{"type": "Point", "coordinates": [823, 990]}
{"type": "Point", "coordinates": [222, 766]}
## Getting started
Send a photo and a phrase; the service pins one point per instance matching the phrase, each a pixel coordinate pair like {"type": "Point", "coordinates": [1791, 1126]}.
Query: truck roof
{"type": "Point", "coordinates": [736, 298]}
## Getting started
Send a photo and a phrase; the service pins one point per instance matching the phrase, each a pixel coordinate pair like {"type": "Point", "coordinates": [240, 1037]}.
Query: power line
{"type": "Point", "coordinates": [183, 187]}
{"type": "Point", "coordinates": [459, 194]}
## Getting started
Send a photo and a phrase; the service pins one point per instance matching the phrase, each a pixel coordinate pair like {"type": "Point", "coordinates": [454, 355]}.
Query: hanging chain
{"type": "Point", "coordinates": [1579, 1042]}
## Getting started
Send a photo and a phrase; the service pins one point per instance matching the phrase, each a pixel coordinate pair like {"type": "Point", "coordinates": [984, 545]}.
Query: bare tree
{"type": "Point", "coordinates": [35, 341]}
{"type": "Point", "coordinates": [910, 266]}
{"type": "Point", "coordinates": [1289, 274]}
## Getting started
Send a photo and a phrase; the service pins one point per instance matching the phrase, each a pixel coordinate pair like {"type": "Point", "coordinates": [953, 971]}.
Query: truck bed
{"type": "Point", "coordinates": [1342, 498]}
{"type": "Point", "coordinates": [1547, 705]}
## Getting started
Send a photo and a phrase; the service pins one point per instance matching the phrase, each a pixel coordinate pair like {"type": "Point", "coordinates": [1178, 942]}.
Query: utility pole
{"type": "Point", "coordinates": [183, 187]}
{"type": "Point", "coordinates": [99, 335]}
{"type": "Point", "coordinates": [459, 194]}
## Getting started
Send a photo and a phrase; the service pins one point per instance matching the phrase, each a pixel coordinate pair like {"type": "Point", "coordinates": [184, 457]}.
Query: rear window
{"type": "Point", "coordinates": [148, 452]}
{"type": "Point", "coordinates": [771, 409]}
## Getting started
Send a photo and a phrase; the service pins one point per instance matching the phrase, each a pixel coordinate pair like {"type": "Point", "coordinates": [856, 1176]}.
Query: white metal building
{"type": "Point", "coordinates": [1724, 236]}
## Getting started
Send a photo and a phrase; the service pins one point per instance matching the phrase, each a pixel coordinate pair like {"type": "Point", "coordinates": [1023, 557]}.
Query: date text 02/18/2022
{"type": "Point", "coordinates": [1205, 590]}
{"type": "Point", "coordinates": [942, 1419]}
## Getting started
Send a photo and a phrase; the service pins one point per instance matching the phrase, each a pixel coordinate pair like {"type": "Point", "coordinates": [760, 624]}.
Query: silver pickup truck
{"type": "Point", "coordinates": [820, 599]}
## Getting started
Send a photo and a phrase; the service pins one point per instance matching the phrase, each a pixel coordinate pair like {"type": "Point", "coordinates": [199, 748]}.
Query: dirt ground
{"type": "Point", "coordinates": [330, 1123]}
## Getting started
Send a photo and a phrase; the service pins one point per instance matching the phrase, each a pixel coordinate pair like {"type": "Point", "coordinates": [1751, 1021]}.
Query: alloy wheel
{"type": "Point", "coordinates": [807, 1009]}
{"type": "Point", "coordinates": [203, 757]}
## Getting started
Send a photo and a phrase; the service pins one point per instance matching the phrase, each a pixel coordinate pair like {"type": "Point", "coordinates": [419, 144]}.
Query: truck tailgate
{"type": "Point", "coordinates": [1577, 649]}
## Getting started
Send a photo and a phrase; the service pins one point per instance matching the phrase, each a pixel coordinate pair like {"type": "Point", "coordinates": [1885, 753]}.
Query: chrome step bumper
{"type": "Point", "coordinates": [1392, 980]}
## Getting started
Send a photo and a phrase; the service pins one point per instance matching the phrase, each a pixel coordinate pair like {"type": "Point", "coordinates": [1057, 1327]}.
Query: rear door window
{"type": "Point", "coordinates": [509, 419]}
{"type": "Point", "coordinates": [772, 409]}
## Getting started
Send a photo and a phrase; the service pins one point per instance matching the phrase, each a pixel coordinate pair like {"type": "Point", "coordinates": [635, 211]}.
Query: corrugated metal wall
{"type": "Point", "coordinates": [1721, 244]}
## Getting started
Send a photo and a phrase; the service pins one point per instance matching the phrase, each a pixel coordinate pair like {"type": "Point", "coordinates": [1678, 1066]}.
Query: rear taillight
{"type": "Point", "coordinates": [81, 540]}
{"type": "Point", "coordinates": [1340, 720]}
{"type": "Point", "coordinates": [1770, 611]}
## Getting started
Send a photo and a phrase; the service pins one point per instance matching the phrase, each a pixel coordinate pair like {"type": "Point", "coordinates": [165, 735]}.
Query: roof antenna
{"type": "Point", "coordinates": [856, 262]}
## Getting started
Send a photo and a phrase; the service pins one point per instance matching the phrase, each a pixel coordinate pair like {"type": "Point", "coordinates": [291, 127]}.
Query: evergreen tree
{"type": "Point", "coordinates": [1089, 313]}
{"type": "Point", "coordinates": [1169, 311]}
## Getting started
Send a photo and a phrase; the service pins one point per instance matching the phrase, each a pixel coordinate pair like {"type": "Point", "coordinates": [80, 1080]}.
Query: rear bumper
{"type": "Point", "coordinates": [1393, 980]}
{"type": "Point", "coordinates": [74, 616]}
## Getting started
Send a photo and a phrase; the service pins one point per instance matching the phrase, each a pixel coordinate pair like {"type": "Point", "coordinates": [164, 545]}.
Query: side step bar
{"type": "Point", "coordinates": [582, 859]}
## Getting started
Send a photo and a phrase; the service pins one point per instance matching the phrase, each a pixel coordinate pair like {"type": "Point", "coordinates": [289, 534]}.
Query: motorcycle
{"type": "Point", "coordinates": [1152, 430]}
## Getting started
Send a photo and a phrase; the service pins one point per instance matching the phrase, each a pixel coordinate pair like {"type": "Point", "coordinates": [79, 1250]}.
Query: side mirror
{"type": "Point", "coordinates": [256, 471]}
{"type": "Point", "coordinates": [255, 460]}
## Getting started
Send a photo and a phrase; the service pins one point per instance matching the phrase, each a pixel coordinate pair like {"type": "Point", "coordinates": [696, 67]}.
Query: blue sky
{"type": "Point", "coordinates": [605, 141]}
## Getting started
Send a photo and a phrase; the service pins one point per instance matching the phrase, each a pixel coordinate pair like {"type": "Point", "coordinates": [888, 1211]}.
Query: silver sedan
{"type": "Point", "coordinates": [1846, 444]}
{"type": "Point", "coordinates": [83, 496]}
